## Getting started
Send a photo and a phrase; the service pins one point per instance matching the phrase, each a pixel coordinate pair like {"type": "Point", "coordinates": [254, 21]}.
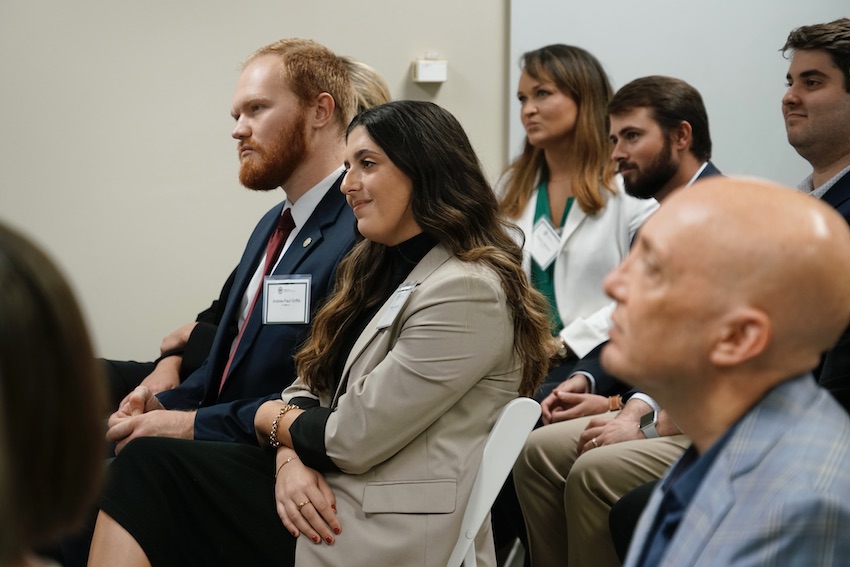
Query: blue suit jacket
{"type": "Point", "coordinates": [263, 365]}
{"type": "Point", "coordinates": [834, 372]}
{"type": "Point", "coordinates": [607, 384]}
{"type": "Point", "coordinates": [776, 493]}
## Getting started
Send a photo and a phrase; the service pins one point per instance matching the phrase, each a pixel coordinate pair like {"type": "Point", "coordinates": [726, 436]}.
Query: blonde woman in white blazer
{"type": "Point", "coordinates": [369, 457]}
{"type": "Point", "coordinates": [563, 193]}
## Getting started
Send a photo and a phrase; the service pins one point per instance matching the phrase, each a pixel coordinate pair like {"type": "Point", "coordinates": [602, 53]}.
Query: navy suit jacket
{"type": "Point", "coordinates": [834, 372]}
{"type": "Point", "coordinates": [606, 384]}
{"type": "Point", "coordinates": [263, 365]}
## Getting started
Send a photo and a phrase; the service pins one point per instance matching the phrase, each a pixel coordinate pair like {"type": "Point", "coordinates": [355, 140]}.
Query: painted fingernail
{"type": "Point", "coordinates": [337, 530]}
{"type": "Point", "coordinates": [329, 539]}
{"type": "Point", "coordinates": [333, 507]}
{"type": "Point", "coordinates": [316, 539]}
{"type": "Point", "coordinates": [294, 533]}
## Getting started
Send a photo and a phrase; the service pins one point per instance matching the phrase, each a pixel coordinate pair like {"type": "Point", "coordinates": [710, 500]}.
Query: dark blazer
{"type": "Point", "coordinates": [606, 384]}
{"type": "Point", "coordinates": [263, 365]}
{"type": "Point", "coordinates": [834, 371]}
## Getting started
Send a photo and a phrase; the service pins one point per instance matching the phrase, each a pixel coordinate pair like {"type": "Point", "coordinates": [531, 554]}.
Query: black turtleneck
{"type": "Point", "coordinates": [308, 430]}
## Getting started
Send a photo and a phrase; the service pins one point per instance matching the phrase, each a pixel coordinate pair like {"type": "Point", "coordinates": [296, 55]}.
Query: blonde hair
{"type": "Point", "coordinates": [370, 88]}
{"type": "Point", "coordinates": [579, 75]}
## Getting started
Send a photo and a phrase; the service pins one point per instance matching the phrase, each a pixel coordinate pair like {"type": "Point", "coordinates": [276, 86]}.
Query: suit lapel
{"type": "Point", "coordinates": [709, 171]}
{"type": "Point", "coordinates": [435, 258]}
{"type": "Point", "coordinates": [754, 436]}
{"type": "Point", "coordinates": [307, 240]}
{"type": "Point", "coordinates": [575, 218]}
{"type": "Point", "coordinates": [839, 193]}
{"type": "Point", "coordinates": [245, 271]}
{"type": "Point", "coordinates": [525, 222]}
{"type": "Point", "coordinates": [711, 504]}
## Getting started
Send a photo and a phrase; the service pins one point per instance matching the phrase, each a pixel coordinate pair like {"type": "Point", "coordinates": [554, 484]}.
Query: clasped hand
{"type": "Point", "coordinates": [141, 414]}
{"type": "Point", "coordinates": [570, 400]}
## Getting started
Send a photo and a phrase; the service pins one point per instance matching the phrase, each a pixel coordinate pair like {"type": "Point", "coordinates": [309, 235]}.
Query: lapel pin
{"type": "Point", "coordinates": [307, 242]}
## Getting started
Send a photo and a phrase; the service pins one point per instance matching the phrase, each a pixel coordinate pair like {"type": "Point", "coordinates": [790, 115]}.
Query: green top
{"type": "Point", "coordinates": [544, 280]}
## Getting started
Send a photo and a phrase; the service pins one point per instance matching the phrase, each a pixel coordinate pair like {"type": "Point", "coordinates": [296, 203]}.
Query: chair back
{"type": "Point", "coordinates": [501, 450]}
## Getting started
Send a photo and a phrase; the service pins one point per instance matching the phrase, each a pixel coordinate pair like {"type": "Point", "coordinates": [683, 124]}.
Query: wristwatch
{"type": "Point", "coordinates": [647, 424]}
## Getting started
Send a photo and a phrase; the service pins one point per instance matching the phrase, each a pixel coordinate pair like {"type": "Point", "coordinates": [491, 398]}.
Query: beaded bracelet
{"type": "Point", "coordinates": [273, 435]}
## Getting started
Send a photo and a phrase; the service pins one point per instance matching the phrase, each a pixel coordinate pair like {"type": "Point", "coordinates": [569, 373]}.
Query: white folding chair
{"type": "Point", "coordinates": [501, 450]}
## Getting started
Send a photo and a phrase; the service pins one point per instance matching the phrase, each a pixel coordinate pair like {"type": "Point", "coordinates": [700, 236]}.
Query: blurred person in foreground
{"type": "Point", "coordinates": [52, 404]}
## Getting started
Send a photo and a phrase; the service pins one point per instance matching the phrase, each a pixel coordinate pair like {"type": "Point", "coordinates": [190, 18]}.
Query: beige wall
{"type": "Point", "coordinates": [116, 153]}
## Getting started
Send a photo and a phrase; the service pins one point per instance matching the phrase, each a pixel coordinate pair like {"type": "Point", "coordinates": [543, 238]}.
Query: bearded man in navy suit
{"type": "Point", "coordinates": [292, 104]}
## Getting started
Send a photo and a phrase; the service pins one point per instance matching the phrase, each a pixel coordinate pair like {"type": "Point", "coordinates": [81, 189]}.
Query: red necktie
{"type": "Point", "coordinates": [284, 226]}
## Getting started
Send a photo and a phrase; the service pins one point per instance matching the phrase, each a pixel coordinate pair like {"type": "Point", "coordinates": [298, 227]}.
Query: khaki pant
{"type": "Point", "coordinates": [566, 499]}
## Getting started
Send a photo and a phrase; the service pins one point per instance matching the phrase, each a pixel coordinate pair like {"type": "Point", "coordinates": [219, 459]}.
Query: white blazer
{"type": "Point", "coordinates": [591, 246]}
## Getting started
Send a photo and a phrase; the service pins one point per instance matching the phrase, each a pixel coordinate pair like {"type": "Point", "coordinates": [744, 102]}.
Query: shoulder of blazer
{"type": "Point", "coordinates": [760, 430]}
{"type": "Point", "coordinates": [709, 171]}
{"type": "Point", "coordinates": [838, 195]}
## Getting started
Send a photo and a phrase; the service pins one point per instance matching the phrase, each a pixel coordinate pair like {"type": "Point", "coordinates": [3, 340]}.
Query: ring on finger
{"type": "Point", "coordinates": [299, 506]}
{"type": "Point", "coordinates": [593, 441]}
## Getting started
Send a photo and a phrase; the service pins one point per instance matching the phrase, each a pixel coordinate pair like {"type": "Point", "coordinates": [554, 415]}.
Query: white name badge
{"type": "Point", "coordinates": [545, 243]}
{"type": "Point", "coordinates": [286, 299]}
{"type": "Point", "coordinates": [398, 300]}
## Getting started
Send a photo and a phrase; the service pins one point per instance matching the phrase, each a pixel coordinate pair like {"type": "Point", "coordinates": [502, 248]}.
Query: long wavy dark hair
{"type": "Point", "coordinates": [453, 203]}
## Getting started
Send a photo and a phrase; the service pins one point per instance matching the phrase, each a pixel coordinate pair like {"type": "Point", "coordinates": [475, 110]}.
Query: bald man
{"type": "Point", "coordinates": [721, 314]}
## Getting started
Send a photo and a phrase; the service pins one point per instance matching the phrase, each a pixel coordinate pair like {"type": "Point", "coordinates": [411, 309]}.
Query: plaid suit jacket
{"type": "Point", "coordinates": [777, 494]}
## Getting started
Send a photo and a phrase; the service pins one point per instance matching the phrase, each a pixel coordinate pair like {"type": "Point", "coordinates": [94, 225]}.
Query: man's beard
{"type": "Point", "coordinates": [272, 165]}
{"type": "Point", "coordinates": [658, 173]}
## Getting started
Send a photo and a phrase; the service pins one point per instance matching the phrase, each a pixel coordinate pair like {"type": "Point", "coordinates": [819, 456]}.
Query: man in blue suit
{"type": "Point", "coordinates": [721, 315]}
{"type": "Point", "coordinates": [292, 104]}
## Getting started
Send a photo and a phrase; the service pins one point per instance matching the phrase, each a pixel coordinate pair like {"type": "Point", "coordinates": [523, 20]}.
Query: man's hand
{"type": "Point", "coordinates": [165, 376]}
{"type": "Point", "coordinates": [137, 402]}
{"type": "Point", "coordinates": [142, 415]}
{"type": "Point", "coordinates": [607, 430]}
{"type": "Point", "coordinates": [177, 339]}
{"type": "Point", "coordinates": [570, 406]}
{"type": "Point", "coordinates": [576, 384]}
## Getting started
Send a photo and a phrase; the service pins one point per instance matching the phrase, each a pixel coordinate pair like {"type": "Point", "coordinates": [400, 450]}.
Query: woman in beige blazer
{"type": "Point", "coordinates": [431, 330]}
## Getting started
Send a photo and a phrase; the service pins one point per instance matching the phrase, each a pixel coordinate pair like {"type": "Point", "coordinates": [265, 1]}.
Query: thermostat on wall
{"type": "Point", "coordinates": [429, 70]}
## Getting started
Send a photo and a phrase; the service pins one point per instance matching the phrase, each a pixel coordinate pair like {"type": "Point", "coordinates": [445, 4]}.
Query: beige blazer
{"type": "Point", "coordinates": [410, 418]}
{"type": "Point", "coordinates": [591, 246]}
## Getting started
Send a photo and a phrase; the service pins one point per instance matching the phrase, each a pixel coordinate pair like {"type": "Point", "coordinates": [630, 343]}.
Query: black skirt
{"type": "Point", "coordinates": [198, 503]}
